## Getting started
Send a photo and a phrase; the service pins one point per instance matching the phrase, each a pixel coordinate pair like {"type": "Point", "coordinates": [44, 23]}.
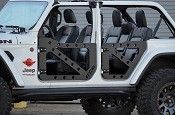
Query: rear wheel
{"type": "Point", "coordinates": [107, 106]}
{"type": "Point", "coordinates": [5, 98]}
{"type": "Point", "coordinates": [156, 93]}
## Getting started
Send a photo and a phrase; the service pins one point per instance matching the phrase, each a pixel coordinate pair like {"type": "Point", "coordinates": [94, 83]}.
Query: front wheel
{"type": "Point", "coordinates": [5, 98]}
{"type": "Point", "coordinates": [156, 93]}
{"type": "Point", "coordinates": [107, 106]}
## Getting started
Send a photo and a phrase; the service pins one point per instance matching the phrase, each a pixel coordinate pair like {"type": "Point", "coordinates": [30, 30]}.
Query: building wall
{"type": "Point", "coordinates": [2, 2]}
{"type": "Point", "coordinates": [169, 5]}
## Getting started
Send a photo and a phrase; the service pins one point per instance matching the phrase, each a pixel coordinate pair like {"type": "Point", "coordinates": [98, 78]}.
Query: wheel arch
{"type": "Point", "coordinates": [159, 61]}
{"type": "Point", "coordinates": [8, 71]}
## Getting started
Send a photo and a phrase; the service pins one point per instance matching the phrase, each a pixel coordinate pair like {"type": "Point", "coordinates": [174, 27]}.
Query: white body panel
{"type": "Point", "coordinates": [21, 52]}
{"type": "Point", "coordinates": [155, 47]}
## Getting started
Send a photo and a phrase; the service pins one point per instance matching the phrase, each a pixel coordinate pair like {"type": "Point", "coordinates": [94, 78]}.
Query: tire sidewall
{"type": "Point", "coordinates": [5, 98]}
{"type": "Point", "coordinates": [165, 79]}
{"type": "Point", "coordinates": [149, 88]}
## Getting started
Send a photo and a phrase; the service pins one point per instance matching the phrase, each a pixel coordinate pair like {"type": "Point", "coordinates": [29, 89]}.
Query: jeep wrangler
{"type": "Point", "coordinates": [113, 55]}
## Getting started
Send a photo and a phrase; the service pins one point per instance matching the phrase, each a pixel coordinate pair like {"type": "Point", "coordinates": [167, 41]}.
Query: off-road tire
{"type": "Point", "coordinates": [149, 88]}
{"type": "Point", "coordinates": [5, 98]}
{"type": "Point", "coordinates": [94, 107]}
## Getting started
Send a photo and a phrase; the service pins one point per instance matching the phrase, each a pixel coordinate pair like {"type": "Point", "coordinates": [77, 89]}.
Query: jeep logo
{"type": "Point", "coordinates": [5, 41]}
{"type": "Point", "coordinates": [28, 70]}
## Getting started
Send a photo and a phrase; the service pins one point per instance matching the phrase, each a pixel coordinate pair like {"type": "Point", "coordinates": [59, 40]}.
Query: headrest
{"type": "Point", "coordinates": [141, 19]}
{"type": "Point", "coordinates": [89, 17]}
{"type": "Point", "coordinates": [127, 28]}
{"type": "Point", "coordinates": [117, 18]}
{"type": "Point", "coordinates": [69, 16]}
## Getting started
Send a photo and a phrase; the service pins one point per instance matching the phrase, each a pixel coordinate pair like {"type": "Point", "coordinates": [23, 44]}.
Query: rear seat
{"type": "Point", "coordinates": [130, 32]}
{"type": "Point", "coordinates": [118, 33]}
{"type": "Point", "coordinates": [115, 64]}
{"type": "Point", "coordinates": [114, 32]}
{"type": "Point", "coordinates": [140, 33]}
{"type": "Point", "coordinates": [127, 29]}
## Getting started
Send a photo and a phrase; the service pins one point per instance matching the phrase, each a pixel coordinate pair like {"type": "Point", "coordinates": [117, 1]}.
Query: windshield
{"type": "Point", "coordinates": [22, 14]}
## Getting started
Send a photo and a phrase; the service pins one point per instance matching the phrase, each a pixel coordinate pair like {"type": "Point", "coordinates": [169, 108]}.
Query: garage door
{"type": "Point", "coordinates": [2, 2]}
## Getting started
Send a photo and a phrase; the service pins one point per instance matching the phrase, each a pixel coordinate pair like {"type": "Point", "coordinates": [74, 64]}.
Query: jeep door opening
{"type": "Point", "coordinates": [113, 55]}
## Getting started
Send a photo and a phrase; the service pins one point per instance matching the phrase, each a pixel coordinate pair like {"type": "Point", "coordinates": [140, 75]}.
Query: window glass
{"type": "Point", "coordinates": [23, 14]}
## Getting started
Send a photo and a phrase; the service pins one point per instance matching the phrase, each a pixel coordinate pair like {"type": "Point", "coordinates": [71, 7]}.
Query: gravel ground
{"type": "Point", "coordinates": [52, 109]}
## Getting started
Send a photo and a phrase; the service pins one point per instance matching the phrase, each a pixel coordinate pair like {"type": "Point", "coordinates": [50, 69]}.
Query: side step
{"type": "Point", "coordinates": [70, 93]}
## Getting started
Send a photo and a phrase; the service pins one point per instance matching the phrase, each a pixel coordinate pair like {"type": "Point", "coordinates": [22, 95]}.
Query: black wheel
{"type": "Point", "coordinates": [5, 98]}
{"type": "Point", "coordinates": [156, 93]}
{"type": "Point", "coordinates": [107, 106]}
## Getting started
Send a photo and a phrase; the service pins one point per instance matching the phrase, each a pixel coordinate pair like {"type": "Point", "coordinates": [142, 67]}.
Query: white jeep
{"type": "Point", "coordinates": [51, 50]}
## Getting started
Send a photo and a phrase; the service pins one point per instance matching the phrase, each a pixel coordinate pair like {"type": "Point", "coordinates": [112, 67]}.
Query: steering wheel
{"type": "Point", "coordinates": [50, 33]}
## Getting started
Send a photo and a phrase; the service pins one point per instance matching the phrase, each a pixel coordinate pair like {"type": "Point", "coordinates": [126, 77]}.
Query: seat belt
{"type": "Point", "coordinates": [157, 27]}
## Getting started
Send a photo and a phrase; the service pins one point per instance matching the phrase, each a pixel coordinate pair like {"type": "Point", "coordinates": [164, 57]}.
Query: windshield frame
{"type": "Point", "coordinates": [22, 1]}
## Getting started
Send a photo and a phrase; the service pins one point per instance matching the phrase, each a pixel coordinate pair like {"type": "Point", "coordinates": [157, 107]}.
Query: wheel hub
{"type": "Point", "coordinates": [169, 101]}
{"type": "Point", "coordinates": [166, 99]}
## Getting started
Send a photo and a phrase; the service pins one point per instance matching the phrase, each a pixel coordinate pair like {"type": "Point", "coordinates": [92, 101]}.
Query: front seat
{"type": "Point", "coordinates": [81, 55]}
{"type": "Point", "coordinates": [68, 33]}
{"type": "Point", "coordinates": [113, 36]}
{"type": "Point", "coordinates": [86, 33]}
{"type": "Point", "coordinates": [114, 32]}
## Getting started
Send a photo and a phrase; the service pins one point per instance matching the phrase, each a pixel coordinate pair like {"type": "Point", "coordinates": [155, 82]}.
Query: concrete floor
{"type": "Point", "coordinates": [52, 109]}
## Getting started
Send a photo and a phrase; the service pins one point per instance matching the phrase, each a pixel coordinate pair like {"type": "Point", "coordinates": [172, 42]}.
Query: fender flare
{"type": "Point", "coordinates": [135, 81]}
{"type": "Point", "coordinates": [11, 68]}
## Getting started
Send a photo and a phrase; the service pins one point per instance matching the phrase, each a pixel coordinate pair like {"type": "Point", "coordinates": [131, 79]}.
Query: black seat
{"type": "Point", "coordinates": [86, 33]}
{"type": "Point", "coordinates": [130, 32]}
{"type": "Point", "coordinates": [114, 32]}
{"type": "Point", "coordinates": [115, 64]}
{"type": "Point", "coordinates": [116, 35]}
{"type": "Point", "coordinates": [68, 33]}
{"type": "Point", "coordinates": [140, 33]}
{"type": "Point", "coordinates": [81, 55]}
{"type": "Point", "coordinates": [126, 30]}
